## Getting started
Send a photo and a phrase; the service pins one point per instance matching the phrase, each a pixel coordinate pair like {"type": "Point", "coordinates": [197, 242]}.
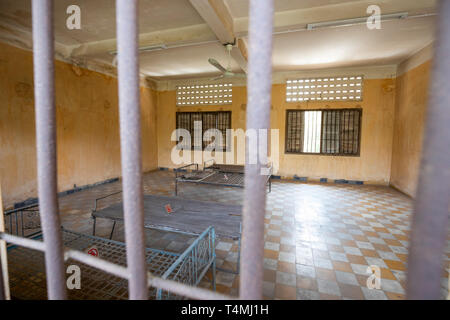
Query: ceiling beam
{"type": "Point", "coordinates": [218, 17]}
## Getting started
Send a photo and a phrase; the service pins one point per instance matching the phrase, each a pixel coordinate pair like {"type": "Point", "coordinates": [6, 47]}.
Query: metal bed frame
{"type": "Point", "coordinates": [189, 218]}
{"type": "Point", "coordinates": [215, 174]}
{"type": "Point", "coordinates": [24, 221]}
{"type": "Point", "coordinates": [27, 267]}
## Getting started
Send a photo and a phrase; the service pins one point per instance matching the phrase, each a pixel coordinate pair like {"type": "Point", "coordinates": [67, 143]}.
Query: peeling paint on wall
{"type": "Point", "coordinates": [87, 126]}
{"type": "Point", "coordinates": [24, 90]}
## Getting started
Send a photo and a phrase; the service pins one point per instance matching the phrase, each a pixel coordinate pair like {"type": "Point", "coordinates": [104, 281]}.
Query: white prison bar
{"type": "Point", "coordinates": [43, 62]}
{"type": "Point", "coordinates": [130, 145]}
{"type": "Point", "coordinates": [258, 117]}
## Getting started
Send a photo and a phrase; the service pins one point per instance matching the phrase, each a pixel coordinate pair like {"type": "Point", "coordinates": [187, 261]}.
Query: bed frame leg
{"type": "Point", "coordinates": [112, 230]}
{"type": "Point", "coordinates": [214, 275]}
{"type": "Point", "coordinates": [93, 228]}
{"type": "Point", "coordinates": [159, 294]}
{"type": "Point", "coordinates": [238, 267]}
{"type": "Point", "coordinates": [213, 248]}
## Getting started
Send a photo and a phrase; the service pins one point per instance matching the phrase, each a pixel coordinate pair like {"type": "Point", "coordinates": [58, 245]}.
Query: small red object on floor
{"type": "Point", "coordinates": [93, 251]}
{"type": "Point", "coordinates": [168, 208]}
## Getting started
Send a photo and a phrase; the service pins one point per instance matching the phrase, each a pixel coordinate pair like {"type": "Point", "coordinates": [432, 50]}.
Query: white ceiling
{"type": "Point", "coordinates": [175, 22]}
{"type": "Point", "coordinates": [98, 17]}
{"type": "Point", "coordinates": [352, 46]}
{"type": "Point", "coordinates": [239, 8]}
{"type": "Point", "coordinates": [192, 60]}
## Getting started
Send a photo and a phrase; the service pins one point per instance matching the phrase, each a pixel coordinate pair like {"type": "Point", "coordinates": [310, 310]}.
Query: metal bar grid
{"type": "Point", "coordinates": [217, 175]}
{"type": "Point", "coordinates": [23, 221]}
{"type": "Point", "coordinates": [218, 179]}
{"type": "Point", "coordinates": [99, 285]}
{"type": "Point", "coordinates": [220, 120]}
{"type": "Point", "coordinates": [431, 215]}
{"type": "Point", "coordinates": [190, 218]}
{"type": "Point", "coordinates": [225, 179]}
{"type": "Point", "coordinates": [192, 264]}
{"type": "Point", "coordinates": [340, 131]}
{"type": "Point", "coordinates": [227, 168]}
{"type": "Point", "coordinates": [112, 268]}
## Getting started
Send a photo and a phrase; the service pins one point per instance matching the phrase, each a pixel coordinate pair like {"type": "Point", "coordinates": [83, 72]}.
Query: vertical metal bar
{"type": "Point", "coordinates": [313, 131]}
{"type": "Point", "coordinates": [130, 145]}
{"type": "Point", "coordinates": [43, 55]}
{"type": "Point", "coordinates": [2, 283]}
{"type": "Point", "coordinates": [336, 137]}
{"type": "Point", "coordinates": [430, 219]}
{"type": "Point", "coordinates": [17, 222]}
{"type": "Point", "coordinates": [291, 141]}
{"type": "Point", "coordinates": [289, 131]}
{"type": "Point", "coordinates": [21, 224]}
{"type": "Point", "coordinates": [213, 246]}
{"type": "Point", "coordinates": [355, 113]}
{"type": "Point", "coordinates": [4, 280]}
{"type": "Point", "coordinates": [258, 117]}
{"type": "Point", "coordinates": [323, 137]}
{"type": "Point", "coordinates": [93, 227]}
{"type": "Point", "coordinates": [112, 230]}
{"type": "Point", "coordinates": [299, 131]}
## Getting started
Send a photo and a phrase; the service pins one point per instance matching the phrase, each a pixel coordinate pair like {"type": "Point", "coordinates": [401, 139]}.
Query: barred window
{"type": "Point", "coordinates": [220, 120]}
{"type": "Point", "coordinates": [327, 132]}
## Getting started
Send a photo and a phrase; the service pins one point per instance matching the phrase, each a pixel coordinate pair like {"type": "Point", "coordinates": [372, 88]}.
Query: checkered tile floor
{"type": "Point", "coordinates": [320, 239]}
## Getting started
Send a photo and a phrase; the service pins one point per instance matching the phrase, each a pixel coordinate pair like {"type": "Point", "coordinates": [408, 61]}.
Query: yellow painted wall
{"type": "Point", "coordinates": [166, 120]}
{"type": "Point", "coordinates": [373, 165]}
{"type": "Point", "coordinates": [411, 105]}
{"type": "Point", "coordinates": [87, 131]}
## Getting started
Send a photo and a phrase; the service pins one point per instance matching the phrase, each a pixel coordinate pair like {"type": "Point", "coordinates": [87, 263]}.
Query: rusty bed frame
{"type": "Point", "coordinates": [27, 267]}
{"type": "Point", "coordinates": [215, 174]}
{"type": "Point", "coordinates": [189, 217]}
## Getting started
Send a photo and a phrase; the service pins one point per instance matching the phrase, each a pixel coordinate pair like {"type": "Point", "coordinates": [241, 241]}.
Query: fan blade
{"type": "Point", "coordinates": [216, 64]}
{"type": "Point", "coordinates": [234, 75]}
{"type": "Point", "coordinates": [218, 78]}
{"type": "Point", "coordinates": [240, 75]}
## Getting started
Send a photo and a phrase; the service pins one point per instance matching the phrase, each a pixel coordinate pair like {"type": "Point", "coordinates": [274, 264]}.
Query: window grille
{"type": "Point", "coordinates": [205, 94]}
{"type": "Point", "coordinates": [348, 88]}
{"type": "Point", "coordinates": [327, 132]}
{"type": "Point", "coordinates": [220, 120]}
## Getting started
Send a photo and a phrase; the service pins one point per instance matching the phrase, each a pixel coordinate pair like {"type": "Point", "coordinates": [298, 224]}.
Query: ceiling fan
{"type": "Point", "coordinates": [226, 72]}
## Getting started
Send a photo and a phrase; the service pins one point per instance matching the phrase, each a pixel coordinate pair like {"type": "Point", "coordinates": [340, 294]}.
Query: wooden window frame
{"type": "Point", "coordinates": [340, 154]}
{"type": "Point", "coordinates": [202, 113]}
